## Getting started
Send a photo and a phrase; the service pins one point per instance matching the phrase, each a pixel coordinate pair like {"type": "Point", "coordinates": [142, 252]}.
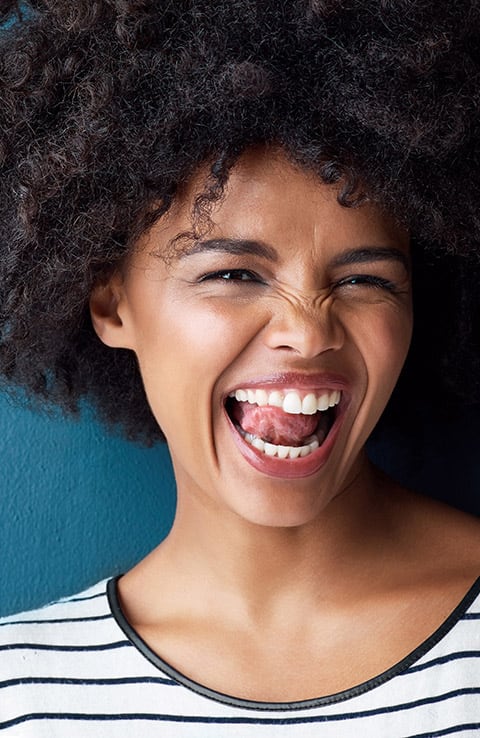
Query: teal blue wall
{"type": "Point", "coordinates": [76, 505]}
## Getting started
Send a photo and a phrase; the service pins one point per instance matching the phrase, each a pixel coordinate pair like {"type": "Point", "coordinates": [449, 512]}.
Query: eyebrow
{"type": "Point", "coordinates": [235, 246]}
{"type": "Point", "coordinates": [371, 253]}
{"type": "Point", "coordinates": [240, 246]}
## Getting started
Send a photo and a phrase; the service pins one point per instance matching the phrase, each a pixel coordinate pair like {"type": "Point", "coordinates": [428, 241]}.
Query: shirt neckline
{"type": "Point", "coordinates": [137, 641]}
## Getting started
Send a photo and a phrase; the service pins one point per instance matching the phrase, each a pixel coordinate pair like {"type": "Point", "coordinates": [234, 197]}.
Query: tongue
{"type": "Point", "coordinates": [273, 425]}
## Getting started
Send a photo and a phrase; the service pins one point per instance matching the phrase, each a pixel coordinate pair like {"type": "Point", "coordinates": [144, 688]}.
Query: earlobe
{"type": "Point", "coordinates": [104, 310]}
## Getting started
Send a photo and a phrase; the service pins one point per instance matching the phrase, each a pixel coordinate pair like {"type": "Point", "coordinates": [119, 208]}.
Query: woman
{"type": "Point", "coordinates": [210, 214]}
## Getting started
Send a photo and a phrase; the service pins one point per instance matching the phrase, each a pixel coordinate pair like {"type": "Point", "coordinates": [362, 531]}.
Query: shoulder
{"type": "Point", "coordinates": [452, 532]}
{"type": "Point", "coordinates": [53, 659]}
{"type": "Point", "coordinates": [439, 546]}
{"type": "Point", "coordinates": [81, 606]}
{"type": "Point", "coordinates": [64, 626]}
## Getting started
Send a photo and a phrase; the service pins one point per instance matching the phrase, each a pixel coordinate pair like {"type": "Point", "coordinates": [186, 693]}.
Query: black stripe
{"type": "Point", "coordinates": [69, 681]}
{"type": "Point", "coordinates": [454, 656]}
{"type": "Point", "coordinates": [50, 647]}
{"type": "Point", "coordinates": [446, 731]}
{"type": "Point", "coordinates": [89, 618]}
{"type": "Point", "coordinates": [65, 601]}
{"type": "Point", "coordinates": [244, 720]}
{"type": "Point", "coordinates": [471, 616]}
{"type": "Point", "coordinates": [79, 598]}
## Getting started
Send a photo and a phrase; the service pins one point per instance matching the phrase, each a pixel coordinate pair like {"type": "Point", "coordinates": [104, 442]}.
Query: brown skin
{"type": "Point", "coordinates": [331, 578]}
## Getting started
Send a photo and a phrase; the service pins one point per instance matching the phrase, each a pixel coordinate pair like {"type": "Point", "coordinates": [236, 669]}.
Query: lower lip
{"type": "Point", "coordinates": [288, 468]}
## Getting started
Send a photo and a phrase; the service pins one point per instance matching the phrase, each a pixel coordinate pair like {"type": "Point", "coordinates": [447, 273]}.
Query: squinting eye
{"type": "Point", "coordinates": [232, 275]}
{"type": "Point", "coordinates": [366, 280]}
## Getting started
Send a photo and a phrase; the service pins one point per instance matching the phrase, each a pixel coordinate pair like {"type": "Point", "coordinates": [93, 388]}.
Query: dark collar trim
{"type": "Point", "coordinates": [347, 694]}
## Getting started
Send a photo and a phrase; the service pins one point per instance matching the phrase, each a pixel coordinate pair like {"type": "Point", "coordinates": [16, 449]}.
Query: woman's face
{"type": "Point", "coordinates": [290, 304]}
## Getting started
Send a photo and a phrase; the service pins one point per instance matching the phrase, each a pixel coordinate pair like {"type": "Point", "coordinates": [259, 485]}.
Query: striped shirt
{"type": "Point", "coordinates": [76, 668]}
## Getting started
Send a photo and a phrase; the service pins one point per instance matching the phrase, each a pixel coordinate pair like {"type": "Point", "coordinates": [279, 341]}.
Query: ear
{"type": "Point", "coordinates": [106, 307]}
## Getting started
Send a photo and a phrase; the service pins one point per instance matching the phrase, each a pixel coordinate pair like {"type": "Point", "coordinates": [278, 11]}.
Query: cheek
{"type": "Point", "coordinates": [183, 355]}
{"type": "Point", "coordinates": [384, 341]}
{"type": "Point", "coordinates": [381, 344]}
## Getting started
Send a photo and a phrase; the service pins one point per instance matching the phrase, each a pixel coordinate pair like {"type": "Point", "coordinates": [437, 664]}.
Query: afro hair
{"type": "Point", "coordinates": [107, 108]}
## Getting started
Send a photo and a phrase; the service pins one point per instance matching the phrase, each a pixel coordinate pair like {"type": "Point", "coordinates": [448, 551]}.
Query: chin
{"type": "Point", "coordinates": [282, 509]}
{"type": "Point", "coordinates": [274, 519]}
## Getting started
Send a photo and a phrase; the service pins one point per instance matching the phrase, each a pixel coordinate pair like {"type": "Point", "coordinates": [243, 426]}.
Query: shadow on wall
{"type": "Point", "coordinates": [77, 505]}
{"type": "Point", "coordinates": [438, 457]}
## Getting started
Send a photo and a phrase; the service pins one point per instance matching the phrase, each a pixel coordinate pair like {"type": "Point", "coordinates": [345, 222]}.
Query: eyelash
{"type": "Point", "coordinates": [231, 275]}
{"type": "Point", "coordinates": [367, 280]}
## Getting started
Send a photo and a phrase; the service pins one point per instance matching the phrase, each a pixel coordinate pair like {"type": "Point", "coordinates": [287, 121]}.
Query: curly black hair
{"type": "Point", "coordinates": [107, 107]}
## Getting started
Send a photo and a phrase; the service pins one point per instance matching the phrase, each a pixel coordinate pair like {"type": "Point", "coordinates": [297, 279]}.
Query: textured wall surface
{"type": "Point", "coordinates": [76, 505]}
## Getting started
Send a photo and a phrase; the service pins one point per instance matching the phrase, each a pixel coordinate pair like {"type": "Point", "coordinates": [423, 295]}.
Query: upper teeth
{"type": "Point", "coordinates": [289, 400]}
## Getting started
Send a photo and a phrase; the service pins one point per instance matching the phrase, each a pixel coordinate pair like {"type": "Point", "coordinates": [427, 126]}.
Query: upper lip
{"type": "Point", "coordinates": [294, 380]}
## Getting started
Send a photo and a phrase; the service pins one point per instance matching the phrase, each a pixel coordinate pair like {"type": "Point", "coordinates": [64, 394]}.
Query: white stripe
{"type": "Point", "coordinates": [178, 701]}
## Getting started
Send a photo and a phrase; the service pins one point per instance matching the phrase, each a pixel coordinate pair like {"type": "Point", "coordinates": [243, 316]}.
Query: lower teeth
{"type": "Point", "coordinates": [281, 452]}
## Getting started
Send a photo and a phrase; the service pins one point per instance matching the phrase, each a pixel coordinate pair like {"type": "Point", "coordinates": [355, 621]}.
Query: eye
{"type": "Point", "coordinates": [366, 280]}
{"type": "Point", "coordinates": [232, 275]}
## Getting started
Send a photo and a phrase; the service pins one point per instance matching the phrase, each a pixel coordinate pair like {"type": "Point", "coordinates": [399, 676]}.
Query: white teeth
{"type": "Point", "coordinates": [282, 452]}
{"type": "Point", "coordinates": [262, 398]}
{"type": "Point", "coordinates": [275, 399]}
{"type": "Point", "coordinates": [258, 443]}
{"type": "Point", "coordinates": [309, 405]}
{"type": "Point", "coordinates": [323, 403]}
{"type": "Point", "coordinates": [334, 398]}
{"type": "Point", "coordinates": [270, 449]}
{"type": "Point", "coordinates": [292, 403]}
{"type": "Point", "coordinates": [294, 452]}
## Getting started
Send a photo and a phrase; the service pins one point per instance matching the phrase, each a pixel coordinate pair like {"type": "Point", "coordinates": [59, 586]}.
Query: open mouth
{"type": "Point", "coordinates": [286, 424]}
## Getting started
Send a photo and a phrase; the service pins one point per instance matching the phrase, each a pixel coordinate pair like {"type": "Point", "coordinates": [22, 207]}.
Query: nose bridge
{"type": "Point", "coordinates": [306, 324]}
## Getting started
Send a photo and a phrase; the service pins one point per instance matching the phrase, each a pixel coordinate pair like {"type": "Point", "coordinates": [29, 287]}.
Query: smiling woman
{"type": "Point", "coordinates": [313, 301]}
{"type": "Point", "coordinates": [240, 285]}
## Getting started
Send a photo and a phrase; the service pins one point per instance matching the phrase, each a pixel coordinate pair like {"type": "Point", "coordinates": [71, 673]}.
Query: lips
{"type": "Point", "coordinates": [287, 396]}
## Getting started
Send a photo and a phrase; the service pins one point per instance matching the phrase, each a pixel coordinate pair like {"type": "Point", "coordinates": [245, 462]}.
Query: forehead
{"type": "Point", "coordinates": [270, 199]}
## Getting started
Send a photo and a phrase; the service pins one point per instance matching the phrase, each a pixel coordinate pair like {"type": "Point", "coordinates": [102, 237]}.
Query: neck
{"type": "Point", "coordinates": [251, 568]}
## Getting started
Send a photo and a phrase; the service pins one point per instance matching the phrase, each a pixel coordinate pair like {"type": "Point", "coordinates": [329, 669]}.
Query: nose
{"type": "Point", "coordinates": [306, 327]}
